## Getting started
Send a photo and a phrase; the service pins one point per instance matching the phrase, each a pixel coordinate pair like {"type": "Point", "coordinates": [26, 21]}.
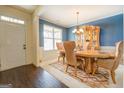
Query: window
{"type": "Point", "coordinates": [51, 36]}
{"type": "Point", "coordinates": [10, 19]}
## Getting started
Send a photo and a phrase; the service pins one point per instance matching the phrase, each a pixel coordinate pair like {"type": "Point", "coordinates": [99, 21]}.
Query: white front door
{"type": "Point", "coordinates": [12, 39]}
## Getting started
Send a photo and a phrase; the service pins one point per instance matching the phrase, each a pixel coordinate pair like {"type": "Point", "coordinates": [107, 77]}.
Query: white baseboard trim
{"type": "Point", "coordinates": [14, 67]}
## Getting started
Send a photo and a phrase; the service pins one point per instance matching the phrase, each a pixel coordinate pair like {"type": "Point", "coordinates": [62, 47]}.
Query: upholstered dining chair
{"type": "Point", "coordinates": [112, 64]}
{"type": "Point", "coordinates": [71, 59]}
{"type": "Point", "coordinates": [60, 46]}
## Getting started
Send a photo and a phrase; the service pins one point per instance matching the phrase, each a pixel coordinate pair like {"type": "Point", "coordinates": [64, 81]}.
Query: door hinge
{"type": "Point", "coordinates": [0, 62]}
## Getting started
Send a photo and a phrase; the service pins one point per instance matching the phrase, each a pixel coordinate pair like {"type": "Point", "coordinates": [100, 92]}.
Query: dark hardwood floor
{"type": "Point", "coordinates": [29, 77]}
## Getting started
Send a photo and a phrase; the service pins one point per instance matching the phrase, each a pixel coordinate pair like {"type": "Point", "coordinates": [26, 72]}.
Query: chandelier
{"type": "Point", "coordinates": [78, 31]}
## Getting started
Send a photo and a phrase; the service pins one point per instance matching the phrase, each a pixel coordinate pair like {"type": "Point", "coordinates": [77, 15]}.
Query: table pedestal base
{"type": "Point", "coordinates": [90, 66]}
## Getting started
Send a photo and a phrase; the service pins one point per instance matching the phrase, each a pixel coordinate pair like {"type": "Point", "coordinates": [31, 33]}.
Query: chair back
{"type": "Point", "coordinates": [59, 45]}
{"type": "Point", "coordinates": [69, 47]}
{"type": "Point", "coordinates": [118, 54]}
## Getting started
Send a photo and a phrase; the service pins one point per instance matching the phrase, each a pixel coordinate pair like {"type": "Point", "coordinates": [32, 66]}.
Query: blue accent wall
{"type": "Point", "coordinates": [42, 22]}
{"type": "Point", "coordinates": [111, 30]}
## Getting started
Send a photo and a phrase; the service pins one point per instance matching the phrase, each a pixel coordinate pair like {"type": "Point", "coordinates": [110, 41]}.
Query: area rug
{"type": "Point", "coordinates": [99, 80]}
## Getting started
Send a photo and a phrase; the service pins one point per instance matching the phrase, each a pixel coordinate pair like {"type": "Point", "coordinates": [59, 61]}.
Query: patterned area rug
{"type": "Point", "coordinates": [99, 80]}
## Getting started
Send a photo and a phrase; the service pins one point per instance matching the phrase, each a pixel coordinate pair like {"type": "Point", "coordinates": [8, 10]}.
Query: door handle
{"type": "Point", "coordinates": [24, 46]}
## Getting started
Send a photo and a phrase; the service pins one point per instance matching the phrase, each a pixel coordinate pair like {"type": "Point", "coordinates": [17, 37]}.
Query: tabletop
{"type": "Point", "coordinates": [94, 53]}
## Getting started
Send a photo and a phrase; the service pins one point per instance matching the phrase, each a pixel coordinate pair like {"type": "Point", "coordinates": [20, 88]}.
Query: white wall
{"type": "Point", "coordinates": [108, 48]}
{"type": "Point", "coordinates": [36, 47]}
{"type": "Point", "coordinates": [46, 56]}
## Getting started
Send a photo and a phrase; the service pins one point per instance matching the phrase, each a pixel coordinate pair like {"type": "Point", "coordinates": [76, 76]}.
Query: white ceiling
{"type": "Point", "coordinates": [66, 15]}
{"type": "Point", "coordinates": [28, 8]}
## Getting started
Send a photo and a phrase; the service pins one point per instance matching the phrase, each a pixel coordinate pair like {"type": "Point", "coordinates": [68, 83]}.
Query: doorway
{"type": "Point", "coordinates": [12, 45]}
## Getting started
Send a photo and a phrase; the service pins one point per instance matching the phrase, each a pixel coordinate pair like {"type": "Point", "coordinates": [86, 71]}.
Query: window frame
{"type": "Point", "coordinates": [53, 36]}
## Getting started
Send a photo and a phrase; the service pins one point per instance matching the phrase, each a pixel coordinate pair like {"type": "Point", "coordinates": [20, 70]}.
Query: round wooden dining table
{"type": "Point", "coordinates": [91, 57]}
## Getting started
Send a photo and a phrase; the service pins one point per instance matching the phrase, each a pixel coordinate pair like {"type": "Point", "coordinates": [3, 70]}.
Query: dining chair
{"type": "Point", "coordinates": [71, 58]}
{"type": "Point", "coordinates": [60, 46]}
{"type": "Point", "coordinates": [111, 64]}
